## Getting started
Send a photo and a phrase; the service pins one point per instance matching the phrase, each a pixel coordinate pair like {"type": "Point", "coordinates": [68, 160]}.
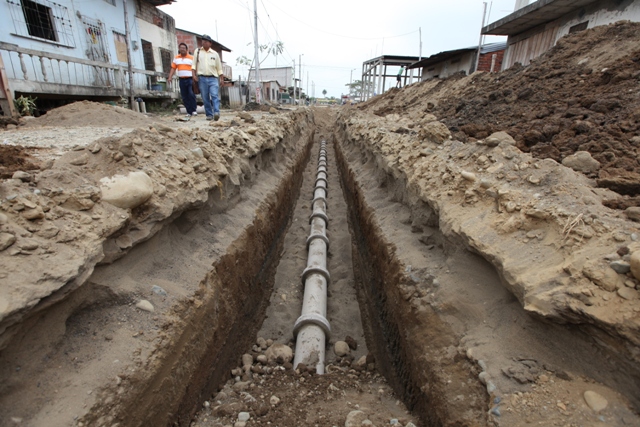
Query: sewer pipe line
{"type": "Point", "coordinates": [312, 328]}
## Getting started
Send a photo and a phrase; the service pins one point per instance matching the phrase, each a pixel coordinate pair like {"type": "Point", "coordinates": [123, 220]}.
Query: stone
{"type": "Point", "coordinates": [621, 267]}
{"type": "Point", "coordinates": [127, 192]}
{"type": "Point", "coordinates": [434, 132]}
{"type": "Point", "coordinates": [603, 276]}
{"type": "Point", "coordinates": [145, 305]}
{"type": "Point", "coordinates": [497, 138]}
{"type": "Point", "coordinates": [244, 416]}
{"type": "Point", "coordinates": [633, 213]}
{"type": "Point", "coordinates": [353, 344]}
{"type": "Point", "coordinates": [6, 240]}
{"type": "Point", "coordinates": [29, 245]}
{"type": "Point", "coordinates": [355, 419]}
{"type": "Point", "coordinates": [262, 343]}
{"type": "Point", "coordinates": [279, 353]}
{"type": "Point", "coordinates": [240, 424]}
{"type": "Point", "coordinates": [634, 263]}
{"type": "Point", "coordinates": [49, 231]}
{"type": "Point", "coordinates": [469, 176]}
{"type": "Point", "coordinates": [22, 176]}
{"type": "Point", "coordinates": [628, 293]}
{"type": "Point", "coordinates": [33, 214]}
{"type": "Point", "coordinates": [247, 360]}
{"type": "Point", "coordinates": [274, 400]}
{"type": "Point", "coordinates": [158, 291]}
{"type": "Point", "coordinates": [262, 359]}
{"type": "Point", "coordinates": [362, 362]}
{"type": "Point", "coordinates": [272, 110]}
{"type": "Point", "coordinates": [3, 218]}
{"type": "Point", "coordinates": [581, 161]}
{"type": "Point", "coordinates": [80, 160]}
{"type": "Point", "coordinates": [341, 349]}
{"type": "Point", "coordinates": [595, 401]}
{"type": "Point", "coordinates": [95, 148]}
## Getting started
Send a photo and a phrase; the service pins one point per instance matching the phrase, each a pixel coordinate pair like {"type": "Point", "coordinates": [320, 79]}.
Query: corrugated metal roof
{"type": "Point", "coordinates": [531, 16]}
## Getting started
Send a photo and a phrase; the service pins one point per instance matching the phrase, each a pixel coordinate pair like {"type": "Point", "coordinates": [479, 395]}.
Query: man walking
{"type": "Point", "coordinates": [183, 63]}
{"type": "Point", "coordinates": [399, 77]}
{"type": "Point", "coordinates": [207, 72]}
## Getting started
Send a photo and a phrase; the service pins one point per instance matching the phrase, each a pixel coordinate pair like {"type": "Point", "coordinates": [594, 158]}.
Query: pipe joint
{"type": "Point", "coordinates": [312, 319]}
{"type": "Point", "coordinates": [316, 270]}
{"type": "Point", "coordinates": [317, 236]}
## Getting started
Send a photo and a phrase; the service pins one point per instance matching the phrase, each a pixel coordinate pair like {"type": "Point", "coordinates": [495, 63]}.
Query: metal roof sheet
{"type": "Point", "coordinates": [537, 13]}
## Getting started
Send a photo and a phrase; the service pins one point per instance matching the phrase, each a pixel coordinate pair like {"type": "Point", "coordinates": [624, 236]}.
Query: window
{"type": "Point", "coordinates": [147, 54]}
{"type": "Point", "coordinates": [43, 20]}
{"type": "Point", "coordinates": [111, 2]}
{"type": "Point", "coordinates": [579, 27]}
{"type": "Point", "coordinates": [167, 58]}
{"type": "Point", "coordinates": [121, 46]}
{"type": "Point", "coordinates": [39, 22]}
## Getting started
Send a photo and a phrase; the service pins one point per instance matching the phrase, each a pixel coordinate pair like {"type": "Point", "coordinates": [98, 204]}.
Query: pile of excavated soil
{"type": "Point", "coordinates": [87, 113]}
{"type": "Point", "coordinates": [582, 95]}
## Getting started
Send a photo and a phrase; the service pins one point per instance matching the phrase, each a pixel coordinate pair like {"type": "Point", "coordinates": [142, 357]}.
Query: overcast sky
{"type": "Point", "coordinates": [337, 36]}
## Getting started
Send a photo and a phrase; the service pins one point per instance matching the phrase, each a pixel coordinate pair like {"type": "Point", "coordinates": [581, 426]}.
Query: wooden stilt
{"type": "Point", "coordinates": [6, 98]}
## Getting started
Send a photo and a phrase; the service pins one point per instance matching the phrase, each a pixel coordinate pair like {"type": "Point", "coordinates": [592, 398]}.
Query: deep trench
{"type": "Point", "coordinates": [219, 319]}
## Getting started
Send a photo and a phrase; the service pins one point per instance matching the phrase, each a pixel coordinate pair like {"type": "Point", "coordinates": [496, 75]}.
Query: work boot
{"type": "Point", "coordinates": [216, 117]}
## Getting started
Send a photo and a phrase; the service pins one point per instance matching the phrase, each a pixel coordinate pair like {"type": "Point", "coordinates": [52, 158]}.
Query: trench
{"type": "Point", "coordinates": [231, 269]}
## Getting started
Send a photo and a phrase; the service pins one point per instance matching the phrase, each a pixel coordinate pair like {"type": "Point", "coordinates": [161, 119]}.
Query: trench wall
{"type": "Point", "coordinates": [220, 320]}
{"type": "Point", "coordinates": [395, 330]}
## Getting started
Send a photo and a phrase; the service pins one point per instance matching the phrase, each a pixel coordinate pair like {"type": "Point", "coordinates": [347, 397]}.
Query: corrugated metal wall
{"type": "Point", "coordinates": [530, 48]}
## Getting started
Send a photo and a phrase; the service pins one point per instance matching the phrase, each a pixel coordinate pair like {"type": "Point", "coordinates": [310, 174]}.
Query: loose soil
{"type": "Point", "coordinates": [581, 95]}
{"type": "Point", "coordinates": [448, 319]}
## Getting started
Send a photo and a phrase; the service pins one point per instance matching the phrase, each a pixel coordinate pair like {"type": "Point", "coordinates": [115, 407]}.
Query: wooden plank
{"type": "Point", "coordinates": [6, 98]}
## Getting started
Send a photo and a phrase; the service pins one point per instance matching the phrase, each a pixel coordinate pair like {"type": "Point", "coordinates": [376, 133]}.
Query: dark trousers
{"type": "Point", "coordinates": [188, 97]}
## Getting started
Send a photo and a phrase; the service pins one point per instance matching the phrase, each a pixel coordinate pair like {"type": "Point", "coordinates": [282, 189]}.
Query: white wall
{"type": "Point", "coordinates": [600, 13]}
{"type": "Point", "coordinates": [449, 67]}
{"type": "Point", "coordinates": [159, 38]}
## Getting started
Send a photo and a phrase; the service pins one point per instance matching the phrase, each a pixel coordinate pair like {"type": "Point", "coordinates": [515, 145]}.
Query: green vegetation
{"type": "Point", "coordinates": [26, 106]}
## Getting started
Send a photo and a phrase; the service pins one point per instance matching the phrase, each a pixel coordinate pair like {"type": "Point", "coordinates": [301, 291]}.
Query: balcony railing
{"type": "Point", "coordinates": [40, 72]}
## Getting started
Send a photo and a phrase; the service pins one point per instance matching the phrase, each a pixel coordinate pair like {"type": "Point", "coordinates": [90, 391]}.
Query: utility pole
{"type": "Point", "coordinates": [300, 72]}
{"type": "Point", "coordinates": [484, 12]}
{"type": "Point", "coordinates": [294, 82]}
{"type": "Point", "coordinates": [256, 58]}
{"type": "Point", "coordinates": [307, 84]}
{"type": "Point", "coordinates": [127, 39]}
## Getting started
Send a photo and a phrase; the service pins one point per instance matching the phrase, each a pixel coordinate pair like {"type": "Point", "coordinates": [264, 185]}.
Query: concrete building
{"type": "Point", "coordinates": [448, 63]}
{"type": "Point", "coordinates": [76, 50]}
{"type": "Point", "coordinates": [534, 28]}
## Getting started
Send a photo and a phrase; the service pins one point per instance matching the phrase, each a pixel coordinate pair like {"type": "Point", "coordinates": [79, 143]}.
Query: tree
{"type": "Point", "coordinates": [357, 89]}
{"type": "Point", "coordinates": [324, 93]}
{"type": "Point", "coordinates": [276, 48]}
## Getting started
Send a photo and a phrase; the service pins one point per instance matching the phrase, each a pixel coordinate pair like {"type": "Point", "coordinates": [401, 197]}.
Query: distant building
{"type": "Point", "coordinates": [534, 28]}
{"type": "Point", "coordinates": [448, 63]}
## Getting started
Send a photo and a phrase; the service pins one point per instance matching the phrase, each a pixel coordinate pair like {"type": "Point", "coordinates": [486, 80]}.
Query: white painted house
{"type": "Point", "coordinates": [76, 49]}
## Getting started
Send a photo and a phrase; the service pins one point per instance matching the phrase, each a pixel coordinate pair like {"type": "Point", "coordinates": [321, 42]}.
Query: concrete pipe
{"type": "Point", "coordinates": [312, 328]}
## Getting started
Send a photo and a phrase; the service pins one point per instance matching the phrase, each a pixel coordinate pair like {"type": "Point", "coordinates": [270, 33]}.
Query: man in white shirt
{"type": "Point", "coordinates": [207, 71]}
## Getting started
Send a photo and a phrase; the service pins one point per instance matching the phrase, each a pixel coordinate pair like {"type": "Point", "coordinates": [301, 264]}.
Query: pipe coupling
{"type": "Point", "coordinates": [316, 270]}
{"type": "Point", "coordinates": [312, 319]}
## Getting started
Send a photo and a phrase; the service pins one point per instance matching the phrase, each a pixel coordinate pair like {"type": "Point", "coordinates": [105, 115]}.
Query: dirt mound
{"type": "Point", "coordinates": [582, 95]}
{"type": "Point", "coordinates": [87, 113]}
